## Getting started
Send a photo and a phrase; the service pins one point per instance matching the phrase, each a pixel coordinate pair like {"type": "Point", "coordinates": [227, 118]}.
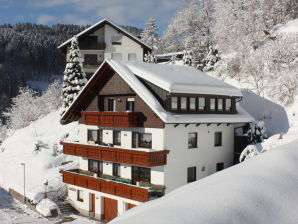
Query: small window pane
{"type": "Point", "coordinates": [202, 103]}
{"type": "Point", "coordinates": [219, 104]}
{"type": "Point", "coordinates": [192, 103]}
{"type": "Point", "coordinates": [174, 103]}
{"type": "Point", "coordinates": [146, 140]}
{"type": "Point", "coordinates": [130, 104]}
{"type": "Point", "coordinates": [92, 136]}
{"type": "Point", "coordinates": [183, 103]}
{"type": "Point", "coordinates": [192, 140]}
{"type": "Point", "coordinates": [191, 174]}
{"type": "Point", "coordinates": [212, 104]}
{"type": "Point", "coordinates": [117, 56]}
{"type": "Point", "coordinates": [93, 165]}
{"type": "Point", "coordinates": [228, 104]}
{"type": "Point", "coordinates": [117, 137]}
{"type": "Point", "coordinates": [217, 139]}
{"type": "Point", "coordinates": [116, 169]}
{"type": "Point", "coordinates": [135, 140]}
{"type": "Point", "coordinates": [132, 57]}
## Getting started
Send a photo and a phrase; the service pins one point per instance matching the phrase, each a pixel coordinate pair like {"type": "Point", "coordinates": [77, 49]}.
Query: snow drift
{"type": "Point", "coordinates": [259, 190]}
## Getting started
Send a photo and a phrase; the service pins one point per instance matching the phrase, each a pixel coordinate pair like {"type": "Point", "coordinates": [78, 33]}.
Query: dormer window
{"type": "Point", "coordinates": [183, 104]}
{"type": "Point", "coordinates": [212, 104]}
{"type": "Point", "coordinates": [219, 104]}
{"type": "Point", "coordinates": [174, 103]}
{"type": "Point", "coordinates": [202, 103]}
{"type": "Point", "coordinates": [116, 40]}
{"type": "Point", "coordinates": [192, 103]}
{"type": "Point", "coordinates": [228, 104]}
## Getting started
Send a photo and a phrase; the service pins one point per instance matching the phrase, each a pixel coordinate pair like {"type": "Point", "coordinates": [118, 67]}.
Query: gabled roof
{"type": "Point", "coordinates": [100, 24]}
{"type": "Point", "coordinates": [131, 79]}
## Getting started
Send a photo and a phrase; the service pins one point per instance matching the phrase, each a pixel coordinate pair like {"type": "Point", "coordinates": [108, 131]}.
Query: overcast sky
{"type": "Point", "coordinates": [82, 12]}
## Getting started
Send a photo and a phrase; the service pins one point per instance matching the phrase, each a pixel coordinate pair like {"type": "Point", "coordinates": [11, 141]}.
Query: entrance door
{"type": "Point", "coordinates": [92, 204]}
{"type": "Point", "coordinates": [110, 209]}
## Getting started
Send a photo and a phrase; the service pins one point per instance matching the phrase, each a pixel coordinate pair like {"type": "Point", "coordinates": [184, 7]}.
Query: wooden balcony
{"type": "Point", "coordinates": [113, 119]}
{"type": "Point", "coordinates": [92, 46]}
{"type": "Point", "coordinates": [133, 157]}
{"type": "Point", "coordinates": [82, 179]}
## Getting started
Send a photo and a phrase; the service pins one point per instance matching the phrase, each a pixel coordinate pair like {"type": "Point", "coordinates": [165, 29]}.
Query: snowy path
{"type": "Point", "coordinates": [14, 212]}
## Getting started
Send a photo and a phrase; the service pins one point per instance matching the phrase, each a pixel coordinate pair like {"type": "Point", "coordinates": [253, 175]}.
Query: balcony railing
{"type": "Point", "coordinates": [133, 157]}
{"type": "Point", "coordinates": [92, 46]}
{"type": "Point", "coordinates": [113, 119]}
{"type": "Point", "coordinates": [86, 179]}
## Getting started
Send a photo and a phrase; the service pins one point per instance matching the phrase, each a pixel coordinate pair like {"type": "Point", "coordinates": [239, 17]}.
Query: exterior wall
{"type": "Point", "coordinates": [127, 45]}
{"type": "Point", "coordinates": [84, 207]}
{"type": "Point", "coordinates": [204, 157]}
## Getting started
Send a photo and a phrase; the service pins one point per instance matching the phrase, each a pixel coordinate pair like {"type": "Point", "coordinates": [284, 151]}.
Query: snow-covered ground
{"type": "Point", "coordinates": [262, 189]}
{"type": "Point", "coordinates": [40, 166]}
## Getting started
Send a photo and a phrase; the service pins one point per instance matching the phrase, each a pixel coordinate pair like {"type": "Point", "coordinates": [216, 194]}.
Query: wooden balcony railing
{"type": "Point", "coordinates": [92, 46]}
{"type": "Point", "coordinates": [113, 119]}
{"type": "Point", "coordinates": [110, 187]}
{"type": "Point", "coordinates": [133, 157]}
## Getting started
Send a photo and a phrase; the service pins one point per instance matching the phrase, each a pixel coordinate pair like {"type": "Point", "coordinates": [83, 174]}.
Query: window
{"type": "Point", "coordinates": [228, 104]}
{"type": "Point", "coordinates": [132, 56]}
{"type": "Point", "coordinates": [116, 40]}
{"type": "Point", "coordinates": [92, 136]}
{"type": "Point", "coordinates": [111, 105]}
{"type": "Point", "coordinates": [192, 140]}
{"type": "Point", "coordinates": [145, 140]}
{"type": "Point", "coordinates": [183, 103]}
{"type": "Point", "coordinates": [135, 140]}
{"type": "Point", "coordinates": [219, 166]}
{"type": "Point", "coordinates": [90, 59]}
{"type": "Point", "coordinates": [116, 169]}
{"type": "Point", "coordinates": [219, 104]}
{"type": "Point", "coordinates": [217, 139]}
{"type": "Point", "coordinates": [191, 174]}
{"type": "Point", "coordinates": [212, 104]}
{"type": "Point", "coordinates": [116, 137]}
{"type": "Point", "coordinates": [174, 103]}
{"type": "Point", "coordinates": [95, 166]}
{"type": "Point", "coordinates": [140, 174]}
{"type": "Point", "coordinates": [202, 103]}
{"type": "Point", "coordinates": [192, 103]}
{"type": "Point", "coordinates": [130, 104]}
{"type": "Point", "coordinates": [80, 195]}
{"type": "Point", "coordinates": [117, 56]}
{"type": "Point", "coordinates": [100, 138]}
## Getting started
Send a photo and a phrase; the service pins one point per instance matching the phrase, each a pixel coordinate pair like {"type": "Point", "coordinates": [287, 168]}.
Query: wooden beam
{"type": "Point", "coordinates": [197, 125]}
{"type": "Point", "coordinates": [176, 125]}
{"type": "Point", "coordinates": [186, 125]}
{"type": "Point", "coordinates": [208, 124]}
{"type": "Point", "coordinates": [218, 124]}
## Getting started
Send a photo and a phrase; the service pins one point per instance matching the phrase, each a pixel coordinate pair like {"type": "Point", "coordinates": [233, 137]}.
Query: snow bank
{"type": "Point", "coordinates": [260, 190]}
{"type": "Point", "coordinates": [41, 165]}
{"type": "Point", "coordinates": [45, 206]}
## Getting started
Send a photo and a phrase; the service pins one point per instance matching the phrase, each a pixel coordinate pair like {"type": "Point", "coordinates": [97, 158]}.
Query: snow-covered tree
{"type": "Point", "coordinates": [187, 58]}
{"type": "Point", "coordinates": [255, 132]}
{"type": "Point", "coordinates": [150, 58]}
{"type": "Point", "coordinates": [211, 58]}
{"type": "Point", "coordinates": [74, 76]}
{"type": "Point", "coordinates": [149, 34]}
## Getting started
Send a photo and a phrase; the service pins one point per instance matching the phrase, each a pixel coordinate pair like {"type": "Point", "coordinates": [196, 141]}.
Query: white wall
{"type": "Point", "coordinates": [205, 155]}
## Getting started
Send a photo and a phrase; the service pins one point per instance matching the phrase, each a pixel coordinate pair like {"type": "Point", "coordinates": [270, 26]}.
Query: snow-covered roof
{"type": "Point", "coordinates": [181, 79]}
{"type": "Point", "coordinates": [127, 73]}
{"type": "Point", "coordinates": [101, 23]}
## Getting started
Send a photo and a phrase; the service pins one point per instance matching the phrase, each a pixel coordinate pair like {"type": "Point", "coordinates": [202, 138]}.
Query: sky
{"type": "Point", "coordinates": [83, 12]}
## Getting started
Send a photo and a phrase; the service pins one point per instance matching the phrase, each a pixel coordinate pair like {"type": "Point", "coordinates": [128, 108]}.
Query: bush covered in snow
{"type": "Point", "coordinates": [255, 132]}
{"type": "Point", "coordinates": [45, 207]}
{"type": "Point", "coordinates": [28, 106]}
{"type": "Point", "coordinates": [150, 58]}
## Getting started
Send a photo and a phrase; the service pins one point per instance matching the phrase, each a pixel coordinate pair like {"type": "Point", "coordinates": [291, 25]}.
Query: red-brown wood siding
{"type": "Point", "coordinates": [131, 206]}
{"type": "Point", "coordinates": [109, 187]}
{"type": "Point", "coordinates": [110, 209]}
{"type": "Point", "coordinates": [133, 157]}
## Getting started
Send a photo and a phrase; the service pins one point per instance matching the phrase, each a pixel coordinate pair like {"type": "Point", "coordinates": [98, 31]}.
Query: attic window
{"type": "Point", "coordinates": [183, 103]}
{"type": "Point", "coordinates": [116, 40]}
{"type": "Point", "coordinates": [212, 104]}
{"type": "Point", "coordinates": [174, 103]}
{"type": "Point", "coordinates": [228, 104]}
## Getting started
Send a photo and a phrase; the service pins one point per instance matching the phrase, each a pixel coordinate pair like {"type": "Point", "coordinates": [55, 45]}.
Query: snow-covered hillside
{"type": "Point", "coordinates": [40, 166]}
{"type": "Point", "coordinates": [262, 189]}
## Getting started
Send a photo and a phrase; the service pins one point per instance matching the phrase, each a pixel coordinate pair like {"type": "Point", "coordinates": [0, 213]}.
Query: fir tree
{"type": "Point", "coordinates": [74, 76]}
{"type": "Point", "coordinates": [149, 35]}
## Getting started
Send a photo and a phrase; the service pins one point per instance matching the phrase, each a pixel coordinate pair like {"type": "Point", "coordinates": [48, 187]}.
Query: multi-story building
{"type": "Point", "coordinates": [106, 40]}
{"type": "Point", "coordinates": [146, 129]}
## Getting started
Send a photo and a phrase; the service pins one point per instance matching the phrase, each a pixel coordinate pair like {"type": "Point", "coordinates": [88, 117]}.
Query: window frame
{"type": "Point", "coordinates": [118, 41]}
{"type": "Point", "coordinates": [226, 108]}
{"type": "Point", "coordinates": [135, 140]}
{"type": "Point", "coordinates": [116, 169]}
{"type": "Point", "coordinates": [172, 103]}
{"type": "Point", "coordinates": [189, 179]}
{"type": "Point", "coordinates": [195, 103]}
{"type": "Point", "coordinates": [210, 100]}
{"type": "Point", "coordinates": [196, 140]}
{"type": "Point", "coordinates": [80, 197]}
{"type": "Point", "coordinates": [130, 102]}
{"type": "Point", "coordinates": [89, 135]}
{"type": "Point", "coordinates": [215, 139]}
{"type": "Point", "coordinates": [204, 100]}
{"type": "Point", "coordinates": [220, 100]}
{"type": "Point", "coordinates": [114, 137]}
{"type": "Point", "coordinates": [183, 109]}
{"type": "Point", "coordinates": [140, 141]}
{"type": "Point", "coordinates": [109, 104]}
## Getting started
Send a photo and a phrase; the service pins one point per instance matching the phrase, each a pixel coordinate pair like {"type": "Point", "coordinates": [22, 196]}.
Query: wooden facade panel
{"type": "Point", "coordinates": [133, 157]}
{"type": "Point", "coordinates": [110, 209]}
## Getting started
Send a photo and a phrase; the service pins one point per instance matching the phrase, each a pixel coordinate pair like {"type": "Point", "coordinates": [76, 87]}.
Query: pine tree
{"type": "Point", "coordinates": [74, 76]}
{"type": "Point", "coordinates": [149, 35]}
